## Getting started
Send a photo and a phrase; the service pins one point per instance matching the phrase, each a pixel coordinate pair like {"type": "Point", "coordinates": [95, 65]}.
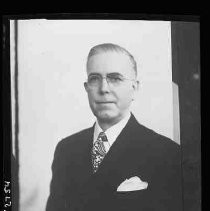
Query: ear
{"type": "Point", "coordinates": [136, 85]}
{"type": "Point", "coordinates": [86, 86]}
{"type": "Point", "coordinates": [135, 89]}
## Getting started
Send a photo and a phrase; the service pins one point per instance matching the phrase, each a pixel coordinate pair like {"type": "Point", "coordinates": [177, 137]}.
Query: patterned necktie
{"type": "Point", "coordinates": [98, 151]}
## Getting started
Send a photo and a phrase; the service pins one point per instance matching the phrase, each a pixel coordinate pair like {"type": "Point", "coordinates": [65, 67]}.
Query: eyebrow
{"type": "Point", "coordinates": [115, 74]}
{"type": "Point", "coordinates": [93, 74]}
{"type": "Point", "coordinates": [112, 73]}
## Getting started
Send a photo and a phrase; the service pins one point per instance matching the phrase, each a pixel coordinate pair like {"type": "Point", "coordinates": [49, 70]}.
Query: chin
{"type": "Point", "coordinates": [107, 116]}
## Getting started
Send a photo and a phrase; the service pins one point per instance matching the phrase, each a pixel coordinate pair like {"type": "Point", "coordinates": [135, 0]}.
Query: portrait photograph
{"type": "Point", "coordinates": [105, 114]}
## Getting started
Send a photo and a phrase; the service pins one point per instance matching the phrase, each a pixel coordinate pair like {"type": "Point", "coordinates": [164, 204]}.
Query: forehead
{"type": "Point", "coordinates": [108, 62]}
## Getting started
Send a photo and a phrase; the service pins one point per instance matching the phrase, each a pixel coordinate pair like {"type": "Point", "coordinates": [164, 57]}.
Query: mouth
{"type": "Point", "coordinates": [104, 102]}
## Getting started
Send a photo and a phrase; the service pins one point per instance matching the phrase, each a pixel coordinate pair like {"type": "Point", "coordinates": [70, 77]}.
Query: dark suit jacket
{"type": "Point", "coordinates": [138, 151]}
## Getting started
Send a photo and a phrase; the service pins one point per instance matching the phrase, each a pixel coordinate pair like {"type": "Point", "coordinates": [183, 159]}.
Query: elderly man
{"type": "Point", "coordinates": [117, 164]}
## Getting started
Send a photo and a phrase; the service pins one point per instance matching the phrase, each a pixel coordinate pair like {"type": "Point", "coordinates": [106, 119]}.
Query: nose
{"type": "Point", "coordinates": [104, 87]}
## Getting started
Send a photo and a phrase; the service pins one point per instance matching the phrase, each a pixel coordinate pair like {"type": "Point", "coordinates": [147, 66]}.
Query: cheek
{"type": "Point", "coordinates": [125, 97]}
{"type": "Point", "coordinates": [91, 98]}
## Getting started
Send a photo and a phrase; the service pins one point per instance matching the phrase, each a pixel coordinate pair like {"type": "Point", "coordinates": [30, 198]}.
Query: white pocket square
{"type": "Point", "coordinates": [132, 184]}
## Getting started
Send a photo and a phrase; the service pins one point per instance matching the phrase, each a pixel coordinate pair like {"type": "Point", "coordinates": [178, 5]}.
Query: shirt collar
{"type": "Point", "coordinates": [113, 132]}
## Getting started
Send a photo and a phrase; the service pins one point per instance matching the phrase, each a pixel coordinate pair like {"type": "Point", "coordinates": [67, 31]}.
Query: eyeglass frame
{"type": "Point", "coordinates": [107, 79]}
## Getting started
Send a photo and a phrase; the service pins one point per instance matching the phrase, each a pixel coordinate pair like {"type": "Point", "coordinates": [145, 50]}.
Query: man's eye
{"type": "Point", "coordinates": [115, 79]}
{"type": "Point", "coordinates": [93, 79]}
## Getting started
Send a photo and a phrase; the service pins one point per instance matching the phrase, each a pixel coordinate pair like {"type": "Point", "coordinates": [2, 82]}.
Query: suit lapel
{"type": "Point", "coordinates": [117, 163]}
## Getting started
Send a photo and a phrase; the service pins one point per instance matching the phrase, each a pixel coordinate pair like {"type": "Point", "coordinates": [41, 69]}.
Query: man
{"type": "Point", "coordinates": [117, 164]}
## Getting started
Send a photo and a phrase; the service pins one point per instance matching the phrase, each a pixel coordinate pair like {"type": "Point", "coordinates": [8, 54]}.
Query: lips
{"type": "Point", "coordinates": [104, 102]}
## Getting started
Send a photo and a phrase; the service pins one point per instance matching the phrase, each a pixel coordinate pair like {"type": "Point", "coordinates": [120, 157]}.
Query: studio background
{"type": "Point", "coordinates": [51, 97]}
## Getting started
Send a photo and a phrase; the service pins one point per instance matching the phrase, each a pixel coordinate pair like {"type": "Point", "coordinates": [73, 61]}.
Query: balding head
{"type": "Point", "coordinates": [109, 47]}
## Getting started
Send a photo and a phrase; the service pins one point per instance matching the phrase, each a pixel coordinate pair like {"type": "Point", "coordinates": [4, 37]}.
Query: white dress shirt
{"type": "Point", "coordinates": [112, 133]}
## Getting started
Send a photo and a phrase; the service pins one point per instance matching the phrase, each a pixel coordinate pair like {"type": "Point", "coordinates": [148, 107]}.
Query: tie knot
{"type": "Point", "coordinates": [102, 136]}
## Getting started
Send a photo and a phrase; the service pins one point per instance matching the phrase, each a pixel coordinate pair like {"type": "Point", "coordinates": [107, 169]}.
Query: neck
{"type": "Point", "coordinates": [106, 124]}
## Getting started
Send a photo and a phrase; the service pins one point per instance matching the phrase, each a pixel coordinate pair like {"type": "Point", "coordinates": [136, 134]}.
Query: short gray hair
{"type": "Point", "coordinates": [109, 47]}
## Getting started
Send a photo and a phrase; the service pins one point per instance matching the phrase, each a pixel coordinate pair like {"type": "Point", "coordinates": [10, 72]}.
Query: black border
{"type": "Point", "coordinates": [6, 114]}
{"type": "Point", "coordinates": [109, 16]}
{"type": "Point", "coordinates": [6, 92]}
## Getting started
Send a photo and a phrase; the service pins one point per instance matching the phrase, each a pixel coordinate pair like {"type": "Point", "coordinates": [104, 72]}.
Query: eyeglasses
{"type": "Point", "coordinates": [113, 79]}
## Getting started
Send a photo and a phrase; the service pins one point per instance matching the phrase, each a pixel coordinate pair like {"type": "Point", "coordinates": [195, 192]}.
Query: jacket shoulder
{"type": "Point", "coordinates": [71, 141]}
{"type": "Point", "coordinates": [155, 138]}
{"type": "Point", "coordinates": [155, 143]}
